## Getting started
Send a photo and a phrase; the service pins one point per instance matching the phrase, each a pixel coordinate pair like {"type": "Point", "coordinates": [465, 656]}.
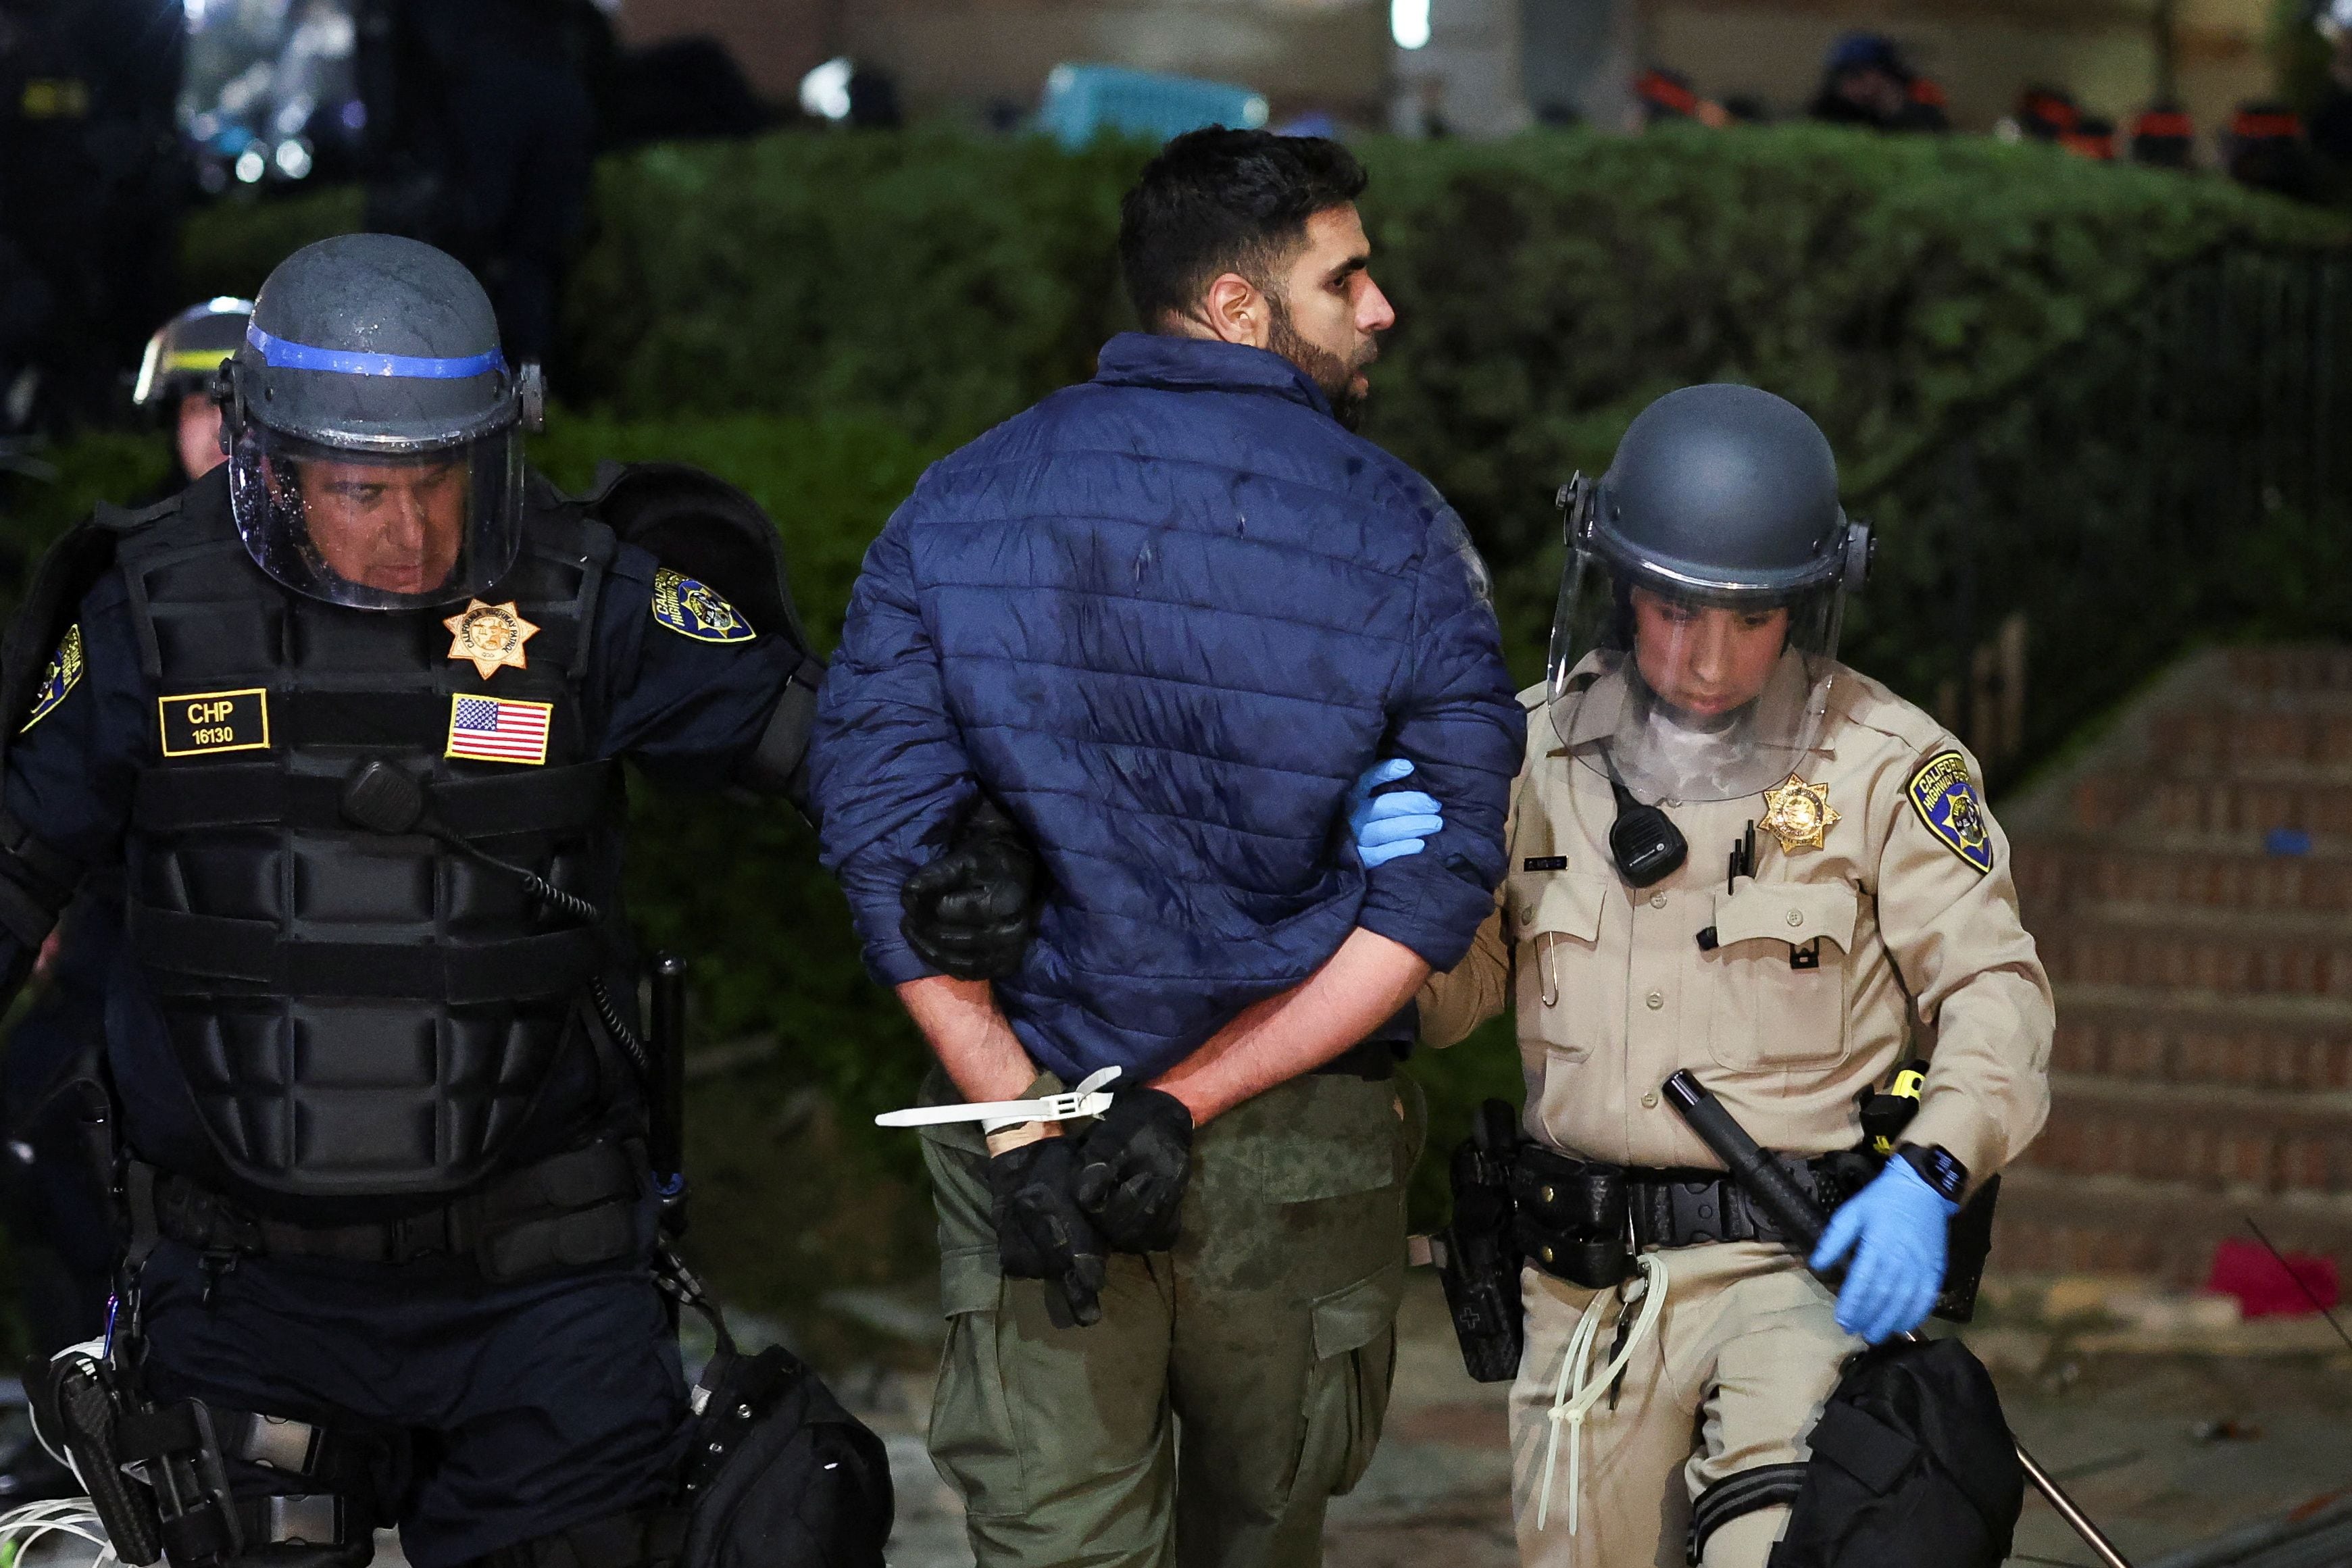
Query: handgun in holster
{"type": "Point", "coordinates": [1477, 1254]}
{"type": "Point", "coordinates": [1886, 1114]}
{"type": "Point", "coordinates": [155, 1476]}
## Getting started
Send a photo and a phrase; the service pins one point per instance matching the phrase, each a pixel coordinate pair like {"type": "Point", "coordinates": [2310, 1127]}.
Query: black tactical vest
{"type": "Point", "coordinates": [362, 1014]}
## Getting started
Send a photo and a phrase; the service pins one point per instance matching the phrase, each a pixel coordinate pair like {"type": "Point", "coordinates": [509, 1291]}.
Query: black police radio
{"type": "Point", "coordinates": [1644, 840]}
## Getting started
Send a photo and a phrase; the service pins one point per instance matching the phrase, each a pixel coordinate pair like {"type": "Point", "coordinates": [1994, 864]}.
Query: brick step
{"type": "Point", "coordinates": [2229, 740]}
{"type": "Point", "coordinates": [2079, 872]}
{"type": "Point", "coordinates": [2212, 1138]}
{"type": "Point", "coordinates": [2176, 948]}
{"type": "Point", "coordinates": [2054, 1223]}
{"type": "Point", "coordinates": [2307, 667]}
{"type": "Point", "coordinates": [2302, 1044]}
{"type": "Point", "coordinates": [2270, 732]}
{"type": "Point", "coordinates": [2146, 800]}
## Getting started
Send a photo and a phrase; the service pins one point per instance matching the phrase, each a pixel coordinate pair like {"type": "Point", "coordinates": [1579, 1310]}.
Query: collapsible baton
{"type": "Point", "coordinates": [1792, 1210]}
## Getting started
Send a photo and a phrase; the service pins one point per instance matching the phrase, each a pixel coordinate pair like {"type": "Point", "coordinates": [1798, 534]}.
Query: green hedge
{"type": "Point", "coordinates": [1547, 287]}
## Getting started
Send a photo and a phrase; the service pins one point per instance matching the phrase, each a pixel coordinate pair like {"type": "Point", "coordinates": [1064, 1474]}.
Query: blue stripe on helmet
{"type": "Point", "coordinates": [279, 353]}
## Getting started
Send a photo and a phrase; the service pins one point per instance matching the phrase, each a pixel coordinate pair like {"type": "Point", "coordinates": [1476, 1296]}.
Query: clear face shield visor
{"type": "Point", "coordinates": [379, 530]}
{"type": "Point", "coordinates": [1683, 693]}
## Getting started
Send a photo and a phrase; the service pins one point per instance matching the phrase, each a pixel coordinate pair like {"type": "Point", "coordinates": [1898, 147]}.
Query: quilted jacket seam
{"type": "Point", "coordinates": [1320, 704]}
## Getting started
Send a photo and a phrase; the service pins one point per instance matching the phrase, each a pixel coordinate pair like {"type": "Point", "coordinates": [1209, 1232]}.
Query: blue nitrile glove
{"type": "Point", "coordinates": [1894, 1229]}
{"type": "Point", "coordinates": [1388, 826]}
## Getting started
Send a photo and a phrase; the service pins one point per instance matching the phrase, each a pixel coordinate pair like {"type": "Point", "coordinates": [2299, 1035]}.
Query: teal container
{"type": "Point", "coordinates": [1081, 102]}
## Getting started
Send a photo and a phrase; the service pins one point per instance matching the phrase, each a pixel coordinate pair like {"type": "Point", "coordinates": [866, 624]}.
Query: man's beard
{"type": "Point", "coordinates": [1327, 369]}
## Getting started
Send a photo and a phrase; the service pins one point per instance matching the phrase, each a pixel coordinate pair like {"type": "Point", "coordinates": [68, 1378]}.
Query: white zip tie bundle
{"type": "Point", "coordinates": [70, 1518]}
{"type": "Point", "coordinates": [1574, 1394]}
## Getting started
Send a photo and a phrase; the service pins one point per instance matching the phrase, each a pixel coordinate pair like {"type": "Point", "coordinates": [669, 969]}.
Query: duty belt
{"type": "Point", "coordinates": [1692, 1207]}
{"type": "Point", "coordinates": [1584, 1220]}
{"type": "Point", "coordinates": [574, 1210]}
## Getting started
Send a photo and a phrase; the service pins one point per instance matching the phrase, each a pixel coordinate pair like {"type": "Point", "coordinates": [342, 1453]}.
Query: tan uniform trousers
{"type": "Point", "coordinates": [1732, 1377]}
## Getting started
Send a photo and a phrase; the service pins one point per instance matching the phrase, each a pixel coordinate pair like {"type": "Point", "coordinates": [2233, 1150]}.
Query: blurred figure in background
{"type": "Point", "coordinates": [175, 381]}
{"type": "Point", "coordinates": [90, 179]}
{"type": "Point", "coordinates": [2092, 137]}
{"type": "Point", "coordinates": [1865, 81]}
{"type": "Point", "coordinates": [2045, 114]}
{"type": "Point", "coordinates": [2265, 150]}
{"type": "Point", "coordinates": [50, 1197]}
{"type": "Point", "coordinates": [1663, 95]}
{"type": "Point", "coordinates": [2164, 137]}
{"type": "Point", "coordinates": [483, 114]}
{"type": "Point", "coordinates": [2331, 117]}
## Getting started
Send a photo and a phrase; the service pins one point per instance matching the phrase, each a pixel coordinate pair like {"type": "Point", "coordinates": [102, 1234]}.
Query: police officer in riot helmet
{"type": "Point", "coordinates": [56, 1217]}
{"type": "Point", "coordinates": [352, 710]}
{"type": "Point", "coordinates": [175, 381]}
{"type": "Point", "coordinates": [1733, 855]}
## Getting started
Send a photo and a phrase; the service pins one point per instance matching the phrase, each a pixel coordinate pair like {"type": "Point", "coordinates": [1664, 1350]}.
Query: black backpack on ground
{"type": "Point", "coordinates": [782, 1475]}
{"type": "Point", "coordinates": [1913, 1466]}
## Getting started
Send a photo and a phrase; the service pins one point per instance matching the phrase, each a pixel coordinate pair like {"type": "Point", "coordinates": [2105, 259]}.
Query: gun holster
{"type": "Point", "coordinates": [1572, 1221]}
{"type": "Point", "coordinates": [1477, 1256]}
{"type": "Point", "coordinates": [82, 1410]}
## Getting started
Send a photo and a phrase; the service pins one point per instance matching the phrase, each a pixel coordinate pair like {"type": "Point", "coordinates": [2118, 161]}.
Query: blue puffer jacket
{"type": "Point", "coordinates": [1166, 618]}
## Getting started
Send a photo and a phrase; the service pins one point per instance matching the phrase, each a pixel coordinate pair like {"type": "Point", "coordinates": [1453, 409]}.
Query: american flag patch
{"type": "Point", "coordinates": [493, 730]}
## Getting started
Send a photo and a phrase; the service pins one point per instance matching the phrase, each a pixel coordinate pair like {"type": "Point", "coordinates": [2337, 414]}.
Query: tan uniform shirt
{"type": "Point", "coordinates": [1904, 948]}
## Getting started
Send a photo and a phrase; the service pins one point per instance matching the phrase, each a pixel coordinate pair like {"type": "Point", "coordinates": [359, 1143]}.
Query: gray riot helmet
{"type": "Point", "coordinates": [1694, 651]}
{"type": "Point", "coordinates": [186, 352]}
{"type": "Point", "coordinates": [374, 428]}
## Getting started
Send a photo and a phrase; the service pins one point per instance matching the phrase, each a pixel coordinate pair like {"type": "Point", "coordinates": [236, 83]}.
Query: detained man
{"type": "Point", "coordinates": [1167, 622]}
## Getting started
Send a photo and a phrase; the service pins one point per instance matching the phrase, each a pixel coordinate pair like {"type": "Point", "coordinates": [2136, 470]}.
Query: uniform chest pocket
{"type": "Point", "coordinates": [1778, 967]}
{"type": "Point", "coordinates": [1562, 990]}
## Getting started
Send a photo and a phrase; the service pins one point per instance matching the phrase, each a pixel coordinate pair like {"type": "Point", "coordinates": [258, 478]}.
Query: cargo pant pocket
{"type": "Point", "coordinates": [1348, 1386]}
{"type": "Point", "coordinates": [973, 1441]}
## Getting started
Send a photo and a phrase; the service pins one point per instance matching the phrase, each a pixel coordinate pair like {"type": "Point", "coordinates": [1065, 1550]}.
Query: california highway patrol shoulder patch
{"type": "Point", "coordinates": [1940, 792]}
{"type": "Point", "coordinates": [691, 610]}
{"type": "Point", "coordinates": [65, 669]}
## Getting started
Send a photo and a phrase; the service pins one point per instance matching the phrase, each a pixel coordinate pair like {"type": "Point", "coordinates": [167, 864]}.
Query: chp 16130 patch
{"type": "Point", "coordinates": [65, 669]}
{"type": "Point", "coordinates": [197, 724]}
{"type": "Point", "coordinates": [692, 610]}
{"type": "Point", "coordinates": [1947, 802]}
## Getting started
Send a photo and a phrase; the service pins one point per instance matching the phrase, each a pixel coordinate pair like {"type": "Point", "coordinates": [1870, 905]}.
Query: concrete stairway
{"type": "Point", "coordinates": [2189, 882]}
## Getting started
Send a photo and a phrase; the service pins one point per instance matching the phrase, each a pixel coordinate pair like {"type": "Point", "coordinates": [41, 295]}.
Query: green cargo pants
{"type": "Point", "coordinates": [1234, 1384]}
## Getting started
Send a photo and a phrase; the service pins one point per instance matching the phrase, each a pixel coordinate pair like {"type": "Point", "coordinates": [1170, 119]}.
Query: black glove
{"type": "Point", "coordinates": [1041, 1234]}
{"type": "Point", "coordinates": [1132, 1168]}
{"type": "Point", "coordinates": [969, 911]}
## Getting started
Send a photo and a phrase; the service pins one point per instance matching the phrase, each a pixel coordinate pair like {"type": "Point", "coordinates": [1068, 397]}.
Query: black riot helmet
{"type": "Point", "coordinates": [373, 427]}
{"type": "Point", "coordinates": [186, 351]}
{"type": "Point", "coordinates": [1695, 639]}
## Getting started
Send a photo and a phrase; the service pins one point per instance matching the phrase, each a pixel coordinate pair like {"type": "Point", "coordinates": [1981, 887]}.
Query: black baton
{"type": "Point", "coordinates": [1759, 1176]}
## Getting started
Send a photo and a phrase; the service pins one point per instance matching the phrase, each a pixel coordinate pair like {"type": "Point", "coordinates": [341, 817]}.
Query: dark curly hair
{"type": "Point", "coordinates": [1218, 201]}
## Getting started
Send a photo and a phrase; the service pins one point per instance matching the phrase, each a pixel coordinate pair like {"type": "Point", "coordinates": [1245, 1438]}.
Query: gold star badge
{"type": "Point", "coordinates": [490, 635]}
{"type": "Point", "coordinates": [1798, 814]}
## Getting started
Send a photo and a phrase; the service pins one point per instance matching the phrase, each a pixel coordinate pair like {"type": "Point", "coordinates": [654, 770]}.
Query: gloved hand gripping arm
{"type": "Point", "coordinates": [1394, 825]}
{"type": "Point", "coordinates": [971, 910]}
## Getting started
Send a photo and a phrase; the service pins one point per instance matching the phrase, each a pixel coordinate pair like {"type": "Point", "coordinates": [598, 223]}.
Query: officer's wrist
{"type": "Point", "coordinates": [1936, 1165]}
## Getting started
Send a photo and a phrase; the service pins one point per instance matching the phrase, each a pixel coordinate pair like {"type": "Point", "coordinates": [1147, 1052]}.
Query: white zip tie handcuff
{"type": "Point", "coordinates": [1091, 1098]}
{"type": "Point", "coordinates": [1573, 1397]}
